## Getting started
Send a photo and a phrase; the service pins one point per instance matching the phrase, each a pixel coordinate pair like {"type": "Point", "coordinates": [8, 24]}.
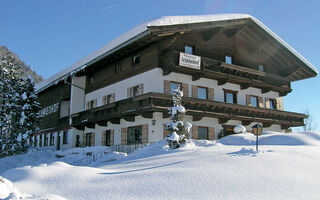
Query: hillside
{"type": "Point", "coordinates": [25, 69]}
{"type": "Point", "coordinates": [286, 167]}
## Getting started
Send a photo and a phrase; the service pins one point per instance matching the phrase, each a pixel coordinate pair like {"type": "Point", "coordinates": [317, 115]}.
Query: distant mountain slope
{"type": "Point", "coordinates": [25, 69]}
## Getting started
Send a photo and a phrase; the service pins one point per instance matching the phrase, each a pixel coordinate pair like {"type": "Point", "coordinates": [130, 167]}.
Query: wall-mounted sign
{"type": "Point", "coordinates": [188, 60]}
{"type": "Point", "coordinates": [49, 110]}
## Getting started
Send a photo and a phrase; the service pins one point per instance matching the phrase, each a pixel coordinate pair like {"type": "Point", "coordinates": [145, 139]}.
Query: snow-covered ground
{"type": "Point", "coordinates": [286, 167]}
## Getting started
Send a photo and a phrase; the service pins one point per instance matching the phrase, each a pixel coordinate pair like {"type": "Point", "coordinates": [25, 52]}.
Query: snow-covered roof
{"type": "Point", "coordinates": [142, 30]}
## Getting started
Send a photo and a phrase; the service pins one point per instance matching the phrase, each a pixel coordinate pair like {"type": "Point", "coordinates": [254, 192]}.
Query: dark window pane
{"type": "Point", "coordinates": [188, 49]}
{"type": "Point", "coordinates": [254, 101]}
{"type": "Point", "coordinates": [174, 86]}
{"type": "Point", "coordinates": [134, 135]}
{"type": "Point", "coordinates": [202, 93]}
{"type": "Point", "coordinates": [202, 133]}
{"type": "Point", "coordinates": [272, 104]}
{"type": "Point", "coordinates": [228, 59]}
{"type": "Point", "coordinates": [229, 97]}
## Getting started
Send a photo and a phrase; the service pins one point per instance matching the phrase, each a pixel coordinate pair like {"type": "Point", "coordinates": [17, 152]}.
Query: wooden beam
{"type": "Point", "coordinates": [246, 122]}
{"type": "Point", "coordinates": [165, 114]}
{"type": "Point", "coordinates": [266, 125]}
{"type": "Point", "coordinates": [222, 81]}
{"type": "Point", "coordinates": [115, 120]}
{"type": "Point", "coordinates": [79, 127]}
{"type": "Point", "coordinates": [148, 115]}
{"type": "Point", "coordinates": [284, 126]}
{"type": "Point", "coordinates": [265, 90]}
{"type": "Point", "coordinates": [129, 118]}
{"type": "Point", "coordinates": [102, 123]}
{"type": "Point", "coordinates": [223, 120]}
{"type": "Point", "coordinates": [244, 86]}
{"type": "Point", "coordinates": [196, 118]}
{"type": "Point", "coordinates": [196, 77]}
{"type": "Point", "coordinates": [90, 125]}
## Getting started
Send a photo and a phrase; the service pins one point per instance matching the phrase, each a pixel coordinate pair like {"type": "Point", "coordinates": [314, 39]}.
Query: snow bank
{"type": "Point", "coordinates": [36, 157]}
{"type": "Point", "coordinates": [273, 138]}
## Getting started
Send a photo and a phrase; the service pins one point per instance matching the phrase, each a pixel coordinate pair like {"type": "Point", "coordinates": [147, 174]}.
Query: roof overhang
{"type": "Point", "coordinates": [165, 26]}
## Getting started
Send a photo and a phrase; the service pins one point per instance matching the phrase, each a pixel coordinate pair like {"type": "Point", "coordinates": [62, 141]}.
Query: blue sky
{"type": "Point", "coordinates": [51, 35]}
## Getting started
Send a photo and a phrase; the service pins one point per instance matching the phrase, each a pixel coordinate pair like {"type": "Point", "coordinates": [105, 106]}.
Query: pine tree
{"type": "Point", "coordinates": [178, 130]}
{"type": "Point", "coordinates": [17, 99]}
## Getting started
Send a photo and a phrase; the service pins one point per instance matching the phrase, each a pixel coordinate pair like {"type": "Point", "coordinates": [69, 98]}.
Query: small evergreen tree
{"type": "Point", "coordinates": [178, 130]}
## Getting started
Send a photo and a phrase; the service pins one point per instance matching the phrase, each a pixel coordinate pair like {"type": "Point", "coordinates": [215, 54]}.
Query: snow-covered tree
{"type": "Point", "coordinates": [178, 130]}
{"type": "Point", "coordinates": [18, 109]}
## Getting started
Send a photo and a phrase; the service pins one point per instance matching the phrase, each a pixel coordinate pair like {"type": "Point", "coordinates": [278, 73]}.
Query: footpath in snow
{"type": "Point", "coordinates": [286, 167]}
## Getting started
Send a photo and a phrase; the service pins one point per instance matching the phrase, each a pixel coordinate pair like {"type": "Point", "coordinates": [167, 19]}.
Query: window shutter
{"type": "Point", "coordinates": [166, 87]}
{"type": "Point", "coordinates": [165, 132]}
{"type": "Point", "coordinates": [95, 103]}
{"type": "Point", "coordinates": [248, 100]}
{"type": "Point", "coordinates": [194, 91]}
{"type": "Point", "coordinates": [88, 105]}
{"type": "Point", "coordinates": [93, 139]}
{"type": "Point", "coordinates": [112, 99]}
{"type": "Point", "coordinates": [267, 102]}
{"type": "Point", "coordinates": [145, 133]}
{"type": "Point", "coordinates": [260, 102]}
{"type": "Point", "coordinates": [140, 89]}
{"type": "Point", "coordinates": [111, 137]}
{"type": "Point", "coordinates": [185, 89]}
{"type": "Point", "coordinates": [211, 133]}
{"type": "Point", "coordinates": [210, 94]}
{"type": "Point", "coordinates": [123, 135]}
{"type": "Point", "coordinates": [278, 104]}
{"type": "Point", "coordinates": [195, 132]}
{"type": "Point", "coordinates": [104, 100]}
{"type": "Point", "coordinates": [103, 138]}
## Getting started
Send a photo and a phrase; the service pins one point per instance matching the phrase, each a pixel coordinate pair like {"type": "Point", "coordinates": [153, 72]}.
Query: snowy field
{"type": "Point", "coordinates": [286, 167]}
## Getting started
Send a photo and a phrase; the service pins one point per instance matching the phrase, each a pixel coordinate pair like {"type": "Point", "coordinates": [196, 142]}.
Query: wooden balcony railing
{"type": "Point", "coordinates": [148, 103]}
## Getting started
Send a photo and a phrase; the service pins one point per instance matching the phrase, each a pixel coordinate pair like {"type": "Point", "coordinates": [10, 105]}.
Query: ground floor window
{"type": "Point", "coordinates": [46, 140]}
{"type": "Point", "coordinates": [89, 140]}
{"type": "Point", "coordinates": [40, 141]}
{"type": "Point", "coordinates": [227, 130]}
{"type": "Point", "coordinates": [65, 137]}
{"type": "Point", "coordinates": [203, 133]}
{"type": "Point", "coordinates": [134, 135]}
{"type": "Point", "coordinates": [51, 139]}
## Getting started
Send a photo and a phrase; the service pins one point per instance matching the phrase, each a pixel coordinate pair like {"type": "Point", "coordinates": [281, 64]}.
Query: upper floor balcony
{"type": "Point", "coordinates": [148, 103]}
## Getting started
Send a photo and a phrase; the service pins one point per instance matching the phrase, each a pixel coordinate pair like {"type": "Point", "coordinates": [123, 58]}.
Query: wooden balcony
{"type": "Point", "coordinates": [148, 103]}
{"type": "Point", "coordinates": [223, 73]}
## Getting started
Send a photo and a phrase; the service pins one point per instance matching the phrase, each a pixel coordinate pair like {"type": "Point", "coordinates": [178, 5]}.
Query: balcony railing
{"type": "Point", "coordinates": [148, 103]}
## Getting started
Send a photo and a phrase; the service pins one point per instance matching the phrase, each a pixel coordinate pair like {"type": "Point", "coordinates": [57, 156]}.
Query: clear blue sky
{"type": "Point", "coordinates": [51, 35]}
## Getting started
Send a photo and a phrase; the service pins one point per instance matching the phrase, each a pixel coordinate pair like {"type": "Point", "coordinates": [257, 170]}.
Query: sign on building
{"type": "Point", "coordinates": [188, 60]}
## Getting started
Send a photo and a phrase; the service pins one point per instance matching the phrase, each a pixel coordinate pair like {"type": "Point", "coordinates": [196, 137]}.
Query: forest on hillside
{"type": "Point", "coordinates": [26, 70]}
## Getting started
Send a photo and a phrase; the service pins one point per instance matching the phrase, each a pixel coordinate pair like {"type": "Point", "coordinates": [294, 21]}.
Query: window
{"type": "Point", "coordinates": [51, 139]}
{"type": "Point", "coordinates": [228, 59]}
{"type": "Point", "coordinates": [202, 93]}
{"type": "Point", "coordinates": [40, 141]}
{"type": "Point", "coordinates": [89, 140]}
{"type": "Point", "coordinates": [188, 49]}
{"type": "Point", "coordinates": [254, 101]}
{"type": "Point", "coordinates": [202, 133]}
{"type": "Point", "coordinates": [134, 135]}
{"type": "Point", "coordinates": [65, 137]}
{"type": "Point", "coordinates": [108, 99]}
{"type": "Point", "coordinates": [35, 141]}
{"type": "Point", "coordinates": [118, 68]}
{"type": "Point", "coordinates": [230, 96]}
{"type": "Point", "coordinates": [135, 90]}
{"type": "Point", "coordinates": [46, 140]}
{"type": "Point", "coordinates": [136, 59]}
{"type": "Point", "coordinates": [272, 104]}
{"type": "Point", "coordinates": [261, 68]}
{"type": "Point", "coordinates": [107, 136]}
{"type": "Point", "coordinates": [174, 86]}
{"type": "Point", "coordinates": [91, 104]}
